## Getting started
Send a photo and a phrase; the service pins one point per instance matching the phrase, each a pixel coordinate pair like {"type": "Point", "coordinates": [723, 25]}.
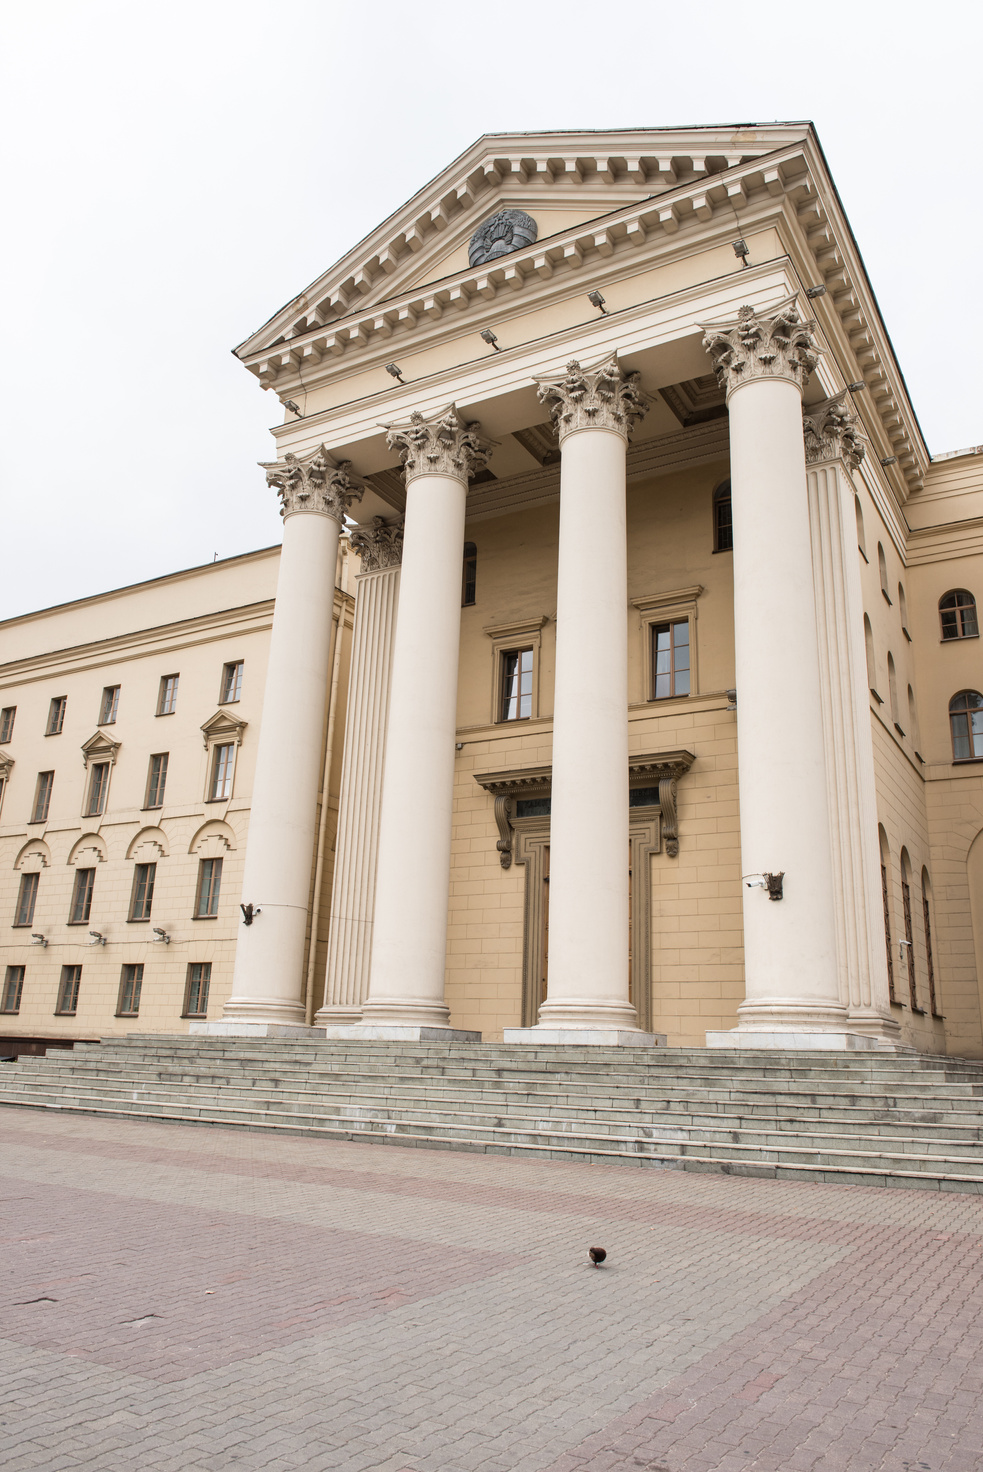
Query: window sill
{"type": "Point", "coordinates": [876, 696]}
{"type": "Point", "coordinates": [237, 701]}
{"type": "Point", "coordinates": [65, 1014]}
{"type": "Point", "coordinates": [658, 699]}
{"type": "Point", "coordinates": [152, 807]}
{"type": "Point", "coordinates": [133, 921]}
{"type": "Point", "coordinates": [719, 551]}
{"type": "Point", "coordinates": [906, 634]}
{"type": "Point", "coordinates": [966, 761]}
{"type": "Point", "coordinates": [863, 554]}
{"type": "Point", "coordinates": [204, 917]}
{"type": "Point", "coordinates": [78, 922]}
{"type": "Point", "coordinates": [226, 799]}
{"type": "Point", "coordinates": [105, 723]}
{"type": "Point", "coordinates": [126, 1014]}
{"type": "Point", "coordinates": [957, 638]}
{"type": "Point", "coordinates": [887, 598]}
{"type": "Point", "coordinates": [919, 1011]}
{"type": "Point", "coordinates": [21, 924]}
{"type": "Point", "coordinates": [167, 713]}
{"type": "Point", "coordinates": [899, 729]}
{"type": "Point", "coordinates": [194, 1016]}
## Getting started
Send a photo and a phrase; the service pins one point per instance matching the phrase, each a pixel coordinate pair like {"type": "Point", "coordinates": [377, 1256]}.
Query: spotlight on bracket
{"type": "Point", "coordinates": [289, 404]}
{"type": "Point", "coordinates": [489, 337]}
{"type": "Point", "coordinates": [813, 291]}
{"type": "Point", "coordinates": [889, 460]}
{"type": "Point", "coordinates": [37, 939]}
{"type": "Point", "coordinates": [161, 936]}
{"type": "Point", "coordinates": [98, 939]}
{"type": "Point", "coordinates": [395, 372]}
{"type": "Point", "coordinates": [596, 300]}
{"type": "Point", "coordinates": [742, 252]}
{"type": "Point", "coordinates": [856, 388]}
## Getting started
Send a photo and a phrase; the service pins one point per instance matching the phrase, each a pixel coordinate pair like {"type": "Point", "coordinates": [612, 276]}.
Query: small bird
{"type": "Point", "coordinates": [596, 1255]}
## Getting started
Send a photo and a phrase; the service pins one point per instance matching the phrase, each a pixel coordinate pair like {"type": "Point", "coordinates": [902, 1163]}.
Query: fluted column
{"type": "Point", "coordinates": [833, 450]}
{"type": "Point", "coordinates": [594, 411]}
{"type": "Point", "coordinates": [792, 992]}
{"type": "Point", "coordinates": [268, 982]}
{"type": "Point", "coordinates": [406, 979]}
{"type": "Point", "coordinates": [379, 545]}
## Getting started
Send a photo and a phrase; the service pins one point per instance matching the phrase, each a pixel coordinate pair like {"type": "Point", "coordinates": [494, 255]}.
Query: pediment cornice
{"type": "Point", "coordinates": [99, 748]}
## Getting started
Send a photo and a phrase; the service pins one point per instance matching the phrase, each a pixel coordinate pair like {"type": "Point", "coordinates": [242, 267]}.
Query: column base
{"type": "Point", "coordinates": [413, 1012]}
{"type": "Point", "coordinates": [231, 1028]}
{"type": "Point", "coordinates": [289, 1014]}
{"type": "Point", "coordinates": [794, 1040]}
{"type": "Point", "coordinates": [337, 1016]}
{"type": "Point", "coordinates": [399, 1033]}
{"type": "Point", "coordinates": [583, 1037]}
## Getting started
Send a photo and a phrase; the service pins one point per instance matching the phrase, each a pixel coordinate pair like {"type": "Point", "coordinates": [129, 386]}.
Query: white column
{"type": "Point", "coordinates": [406, 979]}
{"type": "Point", "coordinates": [792, 996]}
{"type": "Point", "coordinates": [587, 990]}
{"type": "Point", "coordinates": [379, 545]}
{"type": "Point", "coordinates": [268, 982]}
{"type": "Point", "coordinates": [833, 450]}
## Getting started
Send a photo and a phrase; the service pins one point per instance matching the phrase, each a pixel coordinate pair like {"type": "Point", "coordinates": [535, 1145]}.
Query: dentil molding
{"type": "Point", "coordinates": [379, 544]}
{"type": "Point", "coordinates": [313, 484]}
{"type": "Point", "coordinates": [443, 445]}
{"type": "Point", "coordinates": [779, 345]}
{"type": "Point", "coordinates": [832, 432]}
{"type": "Point", "coordinates": [601, 397]}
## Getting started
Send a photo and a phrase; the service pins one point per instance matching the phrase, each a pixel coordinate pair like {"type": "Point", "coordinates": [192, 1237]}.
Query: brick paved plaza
{"type": "Point", "coordinates": [178, 1297]}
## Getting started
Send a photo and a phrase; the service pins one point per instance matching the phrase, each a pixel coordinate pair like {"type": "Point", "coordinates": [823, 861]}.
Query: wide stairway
{"type": "Point", "coordinates": [859, 1118]}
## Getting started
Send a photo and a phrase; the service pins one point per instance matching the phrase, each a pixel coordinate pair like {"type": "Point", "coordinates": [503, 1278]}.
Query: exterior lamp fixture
{"type": "Point", "coordinates": [289, 404]}
{"type": "Point", "coordinates": [813, 291]}
{"type": "Point", "coordinates": [249, 914]}
{"type": "Point", "coordinates": [395, 372]}
{"type": "Point", "coordinates": [98, 939]}
{"type": "Point", "coordinates": [489, 337]}
{"type": "Point", "coordinates": [596, 300]}
{"type": "Point", "coordinates": [38, 940]}
{"type": "Point", "coordinates": [856, 388]}
{"type": "Point", "coordinates": [742, 252]}
{"type": "Point", "coordinates": [770, 882]}
{"type": "Point", "coordinates": [889, 460]}
{"type": "Point", "coordinates": [159, 935]}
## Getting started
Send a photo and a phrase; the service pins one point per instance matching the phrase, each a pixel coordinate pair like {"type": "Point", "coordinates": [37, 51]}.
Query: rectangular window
{"type": "Point", "coordinates": [231, 682]}
{"type": "Point", "coordinates": [68, 991]}
{"type": "Point", "coordinates": [196, 992]}
{"type": "Point", "coordinates": [131, 980]}
{"type": "Point", "coordinates": [82, 896]}
{"type": "Point", "coordinates": [516, 700]}
{"type": "Point", "coordinates": [670, 659]}
{"type": "Point", "coordinates": [156, 780]}
{"type": "Point", "coordinates": [142, 897]}
{"type": "Point", "coordinates": [209, 885]}
{"type": "Point", "coordinates": [223, 761]}
{"type": "Point", "coordinates": [13, 989]}
{"type": "Point", "coordinates": [98, 789]}
{"type": "Point", "coordinates": [110, 706]}
{"type": "Point", "coordinates": [167, 698]}
{"type": "Point", "coordinates": [56, 715]}
{"type": "Point", "coordinates": [469, 581]}
{"type": "Point", "coordinates": [42, 796]}
{"type": "Point", "coordinates": [7, 723]}
{"type": "Point", "coordinates": [887, 933]}
{"type": "Point", "coordinates": [27, 897]}
{"type": "Point", "coordinates": [933, 999]}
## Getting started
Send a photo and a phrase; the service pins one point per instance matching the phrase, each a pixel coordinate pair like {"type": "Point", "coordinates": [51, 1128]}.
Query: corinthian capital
{"type": "Point", "coordinates": [777, 345]}
{"type": "Point", "coordinates": [379, 544]}
{"type": "Point", "coordinates": [831, 433]}
{"type": "Point", "coordinates": [602, 397]}
{"type": "Point", "coordinates": [314, 484]}
{"type": "Point", "coordinates": [444, 445]}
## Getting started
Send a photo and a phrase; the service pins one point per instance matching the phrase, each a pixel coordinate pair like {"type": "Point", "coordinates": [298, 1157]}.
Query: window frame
{"type": "Point", "coordinates": [882, 573]}
{"type": "Point", "coordinates": [109, 705]}
{"type": "Point", "coordinates": [70, 975]}
{"type": "Point", "coordinates": [505, 698]}
{"type": "Point", "coordinates": [97, 797]}
{"type": "Point", "coordinates": [975, 756]}
{"type": "Point", "coordinates": [717, 500]}
{"type": "Point", "coordinates": [655, 631]}
{"type": "Point", "coordinates": [8, 716]}
{"type": "Point", "coordinates": [9, 978]}
{"type": "Point", "coordinates": [135, 985]}
{"type": "Point", "coordinates": [220, 768]}
{"type": "Point", "coordinates": [469, 565]}
{"type": "Point", "coordinates": [214, 891]}
{"type": "Point", "coordinates": [41, 806]}
{"type": "Point", "coordinates": [959, 616]}
{"type": "Point", "coordinates": [26, 884]}
{"type": "Point", "coordinates": [82, 890]}
{"type": "Point", "coordinates": [861, 529]}
{"type": "Point", "coordinates": [151, 790]}
{"type": "Point", "coordinates": [666, 608]}
{"type": "Point", "coordinates": [507, 638]}
{"type": "Point", "coordinates": [231, 693]}
{"type": "Point", "coordinates": [136, 887]}
{"type": "Point", "coordinates": [165, 693]}
{"type": "Point", "coordinates": [202, 982]}
{"type": "Point", "coordinates": [55, 724]}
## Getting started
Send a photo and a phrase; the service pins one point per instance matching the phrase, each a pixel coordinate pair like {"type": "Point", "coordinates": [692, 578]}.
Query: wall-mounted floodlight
{"type": "Point", "coordinates": [889, 460]}
{"type": "Point", "coordinates": [489, 337]}
{"type": "Point", "coordinates": [395, 372]}
{"type": "Point", "coordinates": [98, 939]}
{"type": "Point", "coordinates": [596, 300]}
{"type": "Point", "coordinates": [856, 388]}
{"type": "Point", "coordinates": [161, 936]}
{"type": "Point", "coordinates": [742, 252]}
{"type": "Point", "coordinates": [37, 939]}
{"type": "Point", "coordinates": [813, 291]}
{"type": "Point", "coordinates": [289, 404]}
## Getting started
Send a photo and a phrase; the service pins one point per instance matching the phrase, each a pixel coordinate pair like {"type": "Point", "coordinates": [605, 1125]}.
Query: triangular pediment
{"type": "Point", "coordinates": [223, 726]}
{"type": "Point", "coordinates": [563, 181]}
{"type": "Point", "coordinates": [99, 748]}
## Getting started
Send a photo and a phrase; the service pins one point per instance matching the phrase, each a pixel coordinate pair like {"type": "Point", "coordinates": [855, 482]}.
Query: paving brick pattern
{"type": "Point", "coordinates": [177, 1298]}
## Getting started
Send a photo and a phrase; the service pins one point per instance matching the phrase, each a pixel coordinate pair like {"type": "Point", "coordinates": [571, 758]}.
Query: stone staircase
{"type": "Point", "coordinates": [860, 1118]}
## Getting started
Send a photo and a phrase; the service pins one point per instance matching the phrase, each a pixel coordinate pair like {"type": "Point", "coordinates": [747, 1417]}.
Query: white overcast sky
{"type": "Point", "coordinates": [175, 172]}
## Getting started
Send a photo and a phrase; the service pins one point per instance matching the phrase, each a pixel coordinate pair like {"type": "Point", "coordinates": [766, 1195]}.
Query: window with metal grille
{"type": "Point", "coordinates": [223, 761]}
{"type": "Point", "coordinates": [27, 898]}
{"type": "Point", "coordinates": [516, 696]}
{"type": "Point", "coordinates": [670, 659]}
{"type": "Point", "coordinates": [196, 989]}
{"type": "Point", "coordinates": [56, 715]}
{"type": "Point", "coordinates": [110, 706]}
{"type": "Point", "coordinates": [209, 887]}
{"type": "Point", "coordinates": [68, 991]}
{"type": "Point", "coordinates": [723, 522]}
{"type": "Point", "coordinates": [156, 780]}
{"type": "Point", "coordinates": [887, 933]}
{"type": "Point", "coordinates": [167, 696]}
{"type": "Point", "coordinates": [7, 716]}
{"type": "Point", "coordinates": [929, 958]}
{"type": "Point", "coordinates": [142, 897]}
{"type": "Point", "coordinates": [231, 682]}
{"type": "Point", "coordinates": [42, 796]}
{"type": "Point", "coordinates": [909, 942]}
{"type": "Point", "coordinates": [469, 581]}
{"type": "Point", "coordinates": [131, 981]}
{"type": "Point", "coordinates": [966, 724]}
{"type": "Point", "coordinates": [98, 789]}
{"type": "Point", "coordinates": [13, 989]}
{"type": "Point", "coordinates": [82, 896]}
{"type": "Point", "coordinates": [957, 613]}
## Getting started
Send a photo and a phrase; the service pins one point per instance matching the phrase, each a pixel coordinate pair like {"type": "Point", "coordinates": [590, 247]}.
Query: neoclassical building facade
{"type": "Point", "coordinates": [621, 681]}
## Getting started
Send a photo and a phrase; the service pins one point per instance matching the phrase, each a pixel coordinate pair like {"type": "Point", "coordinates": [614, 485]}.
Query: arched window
{"type": "Point", "coordinates": [892, 690]}
{"type": "Point", "coordinates": [966, 721]}
{"type": "Point", "coordinates": [871, 665]}
{"type": "Point", "coordinates": [929, 957]}
{"type": "Point", "coordinates": [957, 610]}
{"type": "Point", "coordinates": [861, 538]}
{"type": "Point", "coordinates": [723, 525]}
{"type": "Point", "coordinates": [469, 581]}
{"type": "Point", "coordinates": [913, 721]}
{"type": "Point", "coordinates": [882, 566]}
{"type": "Point", "coordinates": [886, 896]}
{"type": "Point", "coordinates": [903, 610]}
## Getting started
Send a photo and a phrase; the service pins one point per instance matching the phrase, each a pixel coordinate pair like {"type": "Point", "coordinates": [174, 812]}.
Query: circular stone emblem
{"type": "Point", "coordinates": [505, 232]}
